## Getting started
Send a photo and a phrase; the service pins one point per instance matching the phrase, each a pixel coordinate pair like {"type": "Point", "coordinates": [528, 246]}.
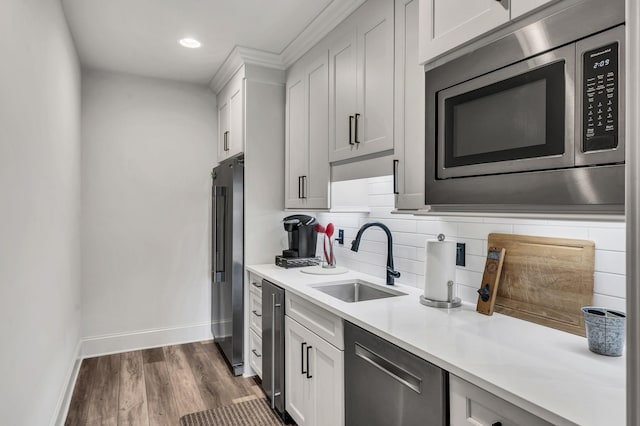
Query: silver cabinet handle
{"type": "Point", "coordinates": [388, 367]}
{"type": "Point", "coordinates": [254, 312]}
{"type": "Point", "coordinates": [256, 353]}
{"type": "Point", "coordinates": [304, 187]}
{"type": "Point", "coordinates": [256, 285]}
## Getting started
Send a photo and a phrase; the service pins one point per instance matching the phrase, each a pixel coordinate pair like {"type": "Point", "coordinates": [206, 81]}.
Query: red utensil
{"type": "Point", "coordinates": [329, 230]}
{"type": "Point", "coordinates": [329, 233]}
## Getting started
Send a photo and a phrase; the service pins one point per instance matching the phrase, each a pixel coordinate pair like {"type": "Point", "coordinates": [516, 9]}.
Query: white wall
{"type": "Point", "coordinates": [39, 210]}
{"type": "Point", "coordinates": [148, 149]}
{"type": "Point", "coordinates": [410, 233]}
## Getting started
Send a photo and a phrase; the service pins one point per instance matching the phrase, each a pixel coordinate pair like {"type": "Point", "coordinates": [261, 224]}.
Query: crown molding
{"type": "Point", "coordinates": [327, 20]}
{"type": "Point", "coordinates": [336, 12]}
{"type": "Point", "coordinates": [240, 56]}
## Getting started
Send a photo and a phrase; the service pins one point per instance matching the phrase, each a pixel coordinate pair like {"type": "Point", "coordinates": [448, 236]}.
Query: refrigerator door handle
{"type": "Point", "coordinates": [220, 193]}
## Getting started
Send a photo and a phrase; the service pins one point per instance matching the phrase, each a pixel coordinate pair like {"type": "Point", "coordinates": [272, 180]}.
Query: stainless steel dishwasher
{"type": "Point", "coordinates": [386, 385]}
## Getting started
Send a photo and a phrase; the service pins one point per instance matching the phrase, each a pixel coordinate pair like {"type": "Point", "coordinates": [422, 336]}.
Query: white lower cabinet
{"type": "Point", "coordinates": [255, 324]}
{"type": "Point", "coordinates": [471, 405]}
{"type": "Point", "coordinates": [314, 374]}
{"type": "Point", "coordinates": [255, 357]}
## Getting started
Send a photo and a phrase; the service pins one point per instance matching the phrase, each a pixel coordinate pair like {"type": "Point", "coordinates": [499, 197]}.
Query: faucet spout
{"type": "Point", "coordinates": [355, 246]}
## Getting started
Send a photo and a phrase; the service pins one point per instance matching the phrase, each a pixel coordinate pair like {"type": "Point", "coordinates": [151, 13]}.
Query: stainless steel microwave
{"type": "Point", "coordinates": [533, 121]}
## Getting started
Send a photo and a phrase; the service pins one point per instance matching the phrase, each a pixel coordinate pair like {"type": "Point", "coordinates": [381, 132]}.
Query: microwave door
{"type": "Point", "coordinates": [518, 118]}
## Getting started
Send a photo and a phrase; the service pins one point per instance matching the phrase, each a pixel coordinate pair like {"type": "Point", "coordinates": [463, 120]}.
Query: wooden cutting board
{"type": "Point", "coordinates": [545, 280]}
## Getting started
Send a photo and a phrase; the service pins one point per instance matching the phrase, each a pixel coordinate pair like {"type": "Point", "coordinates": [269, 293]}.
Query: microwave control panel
{"type": "Point", "coordinates": [600, 89]}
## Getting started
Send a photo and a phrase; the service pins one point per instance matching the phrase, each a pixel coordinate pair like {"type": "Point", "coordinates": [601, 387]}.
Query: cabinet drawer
{"type": "Point", "coordinates": [320, 321]}
{"type": "Point", "coordinates": [471, 405]}
{"type": "Point", "coordinates": [255, 284]}
{"type": "Point", "coordinates": [255, 313]}
{"type": "Point", "coordinates": [255, 356]}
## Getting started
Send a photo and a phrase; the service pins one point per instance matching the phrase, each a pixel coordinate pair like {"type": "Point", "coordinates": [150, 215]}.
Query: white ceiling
{"type": "Point", "coordinates": [141, 36]}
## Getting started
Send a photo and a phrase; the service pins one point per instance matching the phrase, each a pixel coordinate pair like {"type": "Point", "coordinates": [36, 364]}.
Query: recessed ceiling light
{"type": "Point", "coordinates": [191, 43]}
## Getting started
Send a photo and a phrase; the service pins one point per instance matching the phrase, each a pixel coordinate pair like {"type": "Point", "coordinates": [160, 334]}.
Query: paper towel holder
{"type": "Point", "coordinates": [451, 302]}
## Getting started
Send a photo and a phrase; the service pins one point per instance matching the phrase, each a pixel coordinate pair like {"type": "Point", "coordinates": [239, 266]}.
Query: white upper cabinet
{"type": "Point", "coordinates": [307, 133]}
{"type": "Point", "coordinates": [409, 152]}
{"type": "Point", "coordinates": [231, 117]}
{"type": "Point", "coordinates": [361, 64]}
{"type": "Point", "coordinates": [447, 24]}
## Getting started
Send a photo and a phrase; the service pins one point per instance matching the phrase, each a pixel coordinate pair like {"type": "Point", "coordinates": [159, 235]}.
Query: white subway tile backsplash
{"type": "Point", "coordinates": [552, 231]}
{"type": "Point", "coordinates": [381, 200]}
{"type": "Point", "coordinates": [610, 284]}
{"type": "Point", "coordinates": [482, 230]}
{"type": "Point", "coordinates": [610, 261]}
{"type": "Point", "coordinates": [449, 229]}
{"type": "Point", "coordinates": [413, 266]}
{"type": "Point", "coordinates": [608, 238]}
{"type": "Point", "coordinates": [475, 263]}
{"type": "Point", "coordinates": [410, 233]}
{"type": "Point", "coordinates": [405, 252]}
{"type": "Point", "coordinates": [473, 247]}
{"type": "Point", "coordinates": [410, 239]}
{"type": "Point", "coordinates": [380, 188]}
{"type": "Point", "coordinates": [617, 303]}
{"type": "Point", "coordinates": [467, 277]}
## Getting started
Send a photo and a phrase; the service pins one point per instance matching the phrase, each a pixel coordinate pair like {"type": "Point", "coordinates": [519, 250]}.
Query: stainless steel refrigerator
{"type": "Point", "coordinates": [227, 301]}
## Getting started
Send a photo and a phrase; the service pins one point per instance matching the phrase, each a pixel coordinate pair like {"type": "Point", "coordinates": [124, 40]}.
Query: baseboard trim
{"type": "Point", "coordinates": [144, 339]}
{"type": "Point", "coordinates": [62, 407]}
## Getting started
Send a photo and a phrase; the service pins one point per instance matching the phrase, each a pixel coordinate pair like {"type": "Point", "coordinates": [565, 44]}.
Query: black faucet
{"type": "Point", "coordinates": [355, 245]}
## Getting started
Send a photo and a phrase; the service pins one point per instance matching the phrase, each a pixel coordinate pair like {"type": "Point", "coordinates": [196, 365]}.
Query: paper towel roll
{"type": "Point", "coordinates": [439, 269]}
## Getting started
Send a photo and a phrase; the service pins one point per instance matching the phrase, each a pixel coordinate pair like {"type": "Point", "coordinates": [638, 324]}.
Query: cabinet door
{"type": "Point", "coordinates": [316, 185]}
{"type": "Point", "coordinates": [375, 63]}
{"type": "Point", "coordinates": [223, 128]}
{"type": "Point", "coordinates": [409, 110]}
{"type": "Point", "coordinates": [297, 386]}
{"type": "Point", "coordinates": [520, 7]}
{"type": "Point", "coordinates": [342, 93]}
{"type": "Point", "coordinates": [236, 117]}
{"type": "Point", "coordinates": [473, 406]}
{"type": "Point", "coordinates": [446, 24]}
{"type": "Point", "coordinates": [296, 151]}
{"type": "Point", "coordinates": [326, 368]}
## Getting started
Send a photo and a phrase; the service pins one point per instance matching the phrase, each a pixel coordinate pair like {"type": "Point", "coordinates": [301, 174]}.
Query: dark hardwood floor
{"type": "Point", "coordinates": [155, 386]}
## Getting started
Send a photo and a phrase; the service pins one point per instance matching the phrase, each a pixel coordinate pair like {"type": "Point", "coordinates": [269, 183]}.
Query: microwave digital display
{"type": "Point", "coordinates": [600, 114]}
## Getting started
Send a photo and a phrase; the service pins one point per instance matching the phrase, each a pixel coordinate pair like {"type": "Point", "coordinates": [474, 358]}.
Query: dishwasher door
{"type": "Point", "coordinates": [386, 385]}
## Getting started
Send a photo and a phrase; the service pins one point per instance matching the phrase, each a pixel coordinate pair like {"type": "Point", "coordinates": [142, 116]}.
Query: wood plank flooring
{"type": "Point", "coordinates": [155, 386]}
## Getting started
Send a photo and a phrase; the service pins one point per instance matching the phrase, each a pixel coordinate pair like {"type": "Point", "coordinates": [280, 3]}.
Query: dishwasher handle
{"type": "Point", "coordinates": [393, 370]}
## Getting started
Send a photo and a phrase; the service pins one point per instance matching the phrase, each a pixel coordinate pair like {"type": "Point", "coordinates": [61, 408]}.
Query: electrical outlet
{"type": "Point", "coordinates": [461, 254]}
{"type": "Point", "coordinates": [340, 238]}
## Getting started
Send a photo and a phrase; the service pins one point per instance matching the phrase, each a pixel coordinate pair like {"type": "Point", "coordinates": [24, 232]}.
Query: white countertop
{"type": "Point", "coordinates": [545, 371]}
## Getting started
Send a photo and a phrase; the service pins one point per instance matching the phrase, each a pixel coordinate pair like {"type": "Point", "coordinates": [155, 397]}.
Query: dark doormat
{"type": "Point", "coordinates": [255, 412]}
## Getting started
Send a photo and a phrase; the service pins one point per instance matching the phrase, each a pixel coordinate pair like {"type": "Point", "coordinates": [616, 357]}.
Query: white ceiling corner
{"type": "Point", "coordinates": [140, 36]}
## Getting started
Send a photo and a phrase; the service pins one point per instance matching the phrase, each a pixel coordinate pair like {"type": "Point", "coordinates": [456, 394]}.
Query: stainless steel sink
{"type": "Point", "coordinates": [357, 291]}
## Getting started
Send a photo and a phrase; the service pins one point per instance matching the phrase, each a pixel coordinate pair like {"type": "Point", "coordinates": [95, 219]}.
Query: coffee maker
{"type": "Point", "coordinates": [302, 238]}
